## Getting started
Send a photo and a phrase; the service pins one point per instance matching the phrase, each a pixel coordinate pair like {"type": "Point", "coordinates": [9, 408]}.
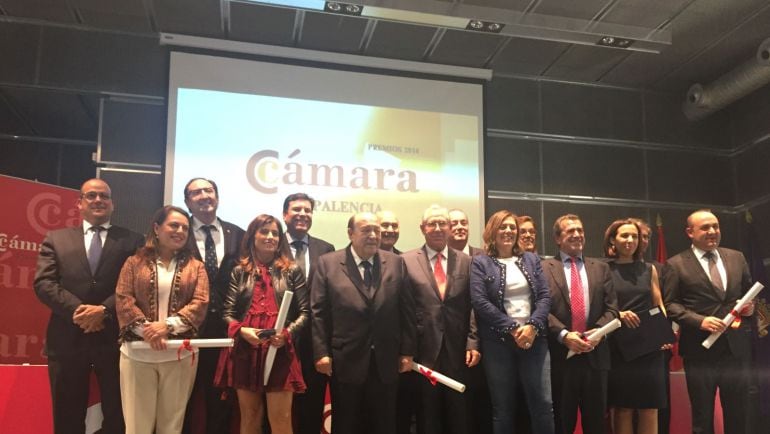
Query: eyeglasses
{"type": "Point", "coordinates": [198, 192]}
{"type": "Point", "coordinates": [92, 195]}
{"type": "Point", "coordinates": [441, 224]}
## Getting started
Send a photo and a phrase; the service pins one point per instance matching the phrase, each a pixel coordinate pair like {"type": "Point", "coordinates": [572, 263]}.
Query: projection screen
{"type": "Point", "coordinates": [353, 141]}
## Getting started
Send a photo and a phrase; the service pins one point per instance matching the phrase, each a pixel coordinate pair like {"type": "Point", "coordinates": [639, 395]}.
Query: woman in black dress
{"type": "Point", "coordinates": [638, 384]}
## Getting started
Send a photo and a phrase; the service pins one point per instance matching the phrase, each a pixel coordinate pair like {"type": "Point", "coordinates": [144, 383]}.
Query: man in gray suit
{"type": "Point", "coordinates": [582, 299]}
{"type": "Point", "coordinates": [701, 286]}
{"type": "Point", "coordinates": [363, 329]}
{"type": "Point", "coordinates": [446, 338]}
{"type": "Point", "coordinates": [77, 270]}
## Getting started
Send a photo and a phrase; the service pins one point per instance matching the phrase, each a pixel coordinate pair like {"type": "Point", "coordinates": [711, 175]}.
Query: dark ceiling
{"type": "Point", "coordinates": [708, 38]}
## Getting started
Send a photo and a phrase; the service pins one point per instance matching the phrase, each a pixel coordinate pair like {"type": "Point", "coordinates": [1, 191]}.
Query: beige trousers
{"type": "Point", "coordinates": [155, 395]}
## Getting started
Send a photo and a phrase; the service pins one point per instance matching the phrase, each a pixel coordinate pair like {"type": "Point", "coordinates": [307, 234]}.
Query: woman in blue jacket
{"type": "Point", "coordinates": [511, 299]}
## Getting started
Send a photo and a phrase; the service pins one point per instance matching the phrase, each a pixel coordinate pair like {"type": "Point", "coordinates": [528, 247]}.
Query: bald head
{"type": "Point", "coordinates": [95, 203]}
{"type": "Point", "coordinates": [703, 230]}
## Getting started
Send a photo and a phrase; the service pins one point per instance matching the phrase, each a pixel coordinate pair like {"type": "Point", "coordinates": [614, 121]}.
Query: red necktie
{"type": "Point", "coordinates": [576, 298]}
{"type": "Point", "coordinates": [440, 275]}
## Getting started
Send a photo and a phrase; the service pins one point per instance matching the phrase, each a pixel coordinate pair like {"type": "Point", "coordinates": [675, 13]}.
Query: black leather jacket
{"type": "Point", "coordinates": [238, 297]}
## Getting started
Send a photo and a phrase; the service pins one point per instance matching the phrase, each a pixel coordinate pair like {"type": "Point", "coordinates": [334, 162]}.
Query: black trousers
{"type": "Point", "coordinates": [576, 385]}
{"type": "Point", "coordinates": [69, 377]}
{"type": "Point", "coordinates": [309, 406]}
{"type": "Point", "coordinates": [369, 407]}
{"type": "Point", "coordinates": [443, 410]}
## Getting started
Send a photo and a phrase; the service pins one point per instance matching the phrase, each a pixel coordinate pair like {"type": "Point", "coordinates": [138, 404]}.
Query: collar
{"type": "Point", "coordinates": [305, 239]}
{"type": "Point", "coordinates": [357, 259]}
{"type": "Point", "coordinates": [699, 253]}
{"type": "Point", "coordinates": [197, 224]}
{"type": "Point", "coordinates": [432, 253]}
{"type": "Point", "coordinates": [87, 226]}
{"type": "Point", "coordinates": [564, 257]}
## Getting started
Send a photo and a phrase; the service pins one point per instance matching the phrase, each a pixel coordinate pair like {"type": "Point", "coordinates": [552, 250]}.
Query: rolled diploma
{"type": "Point", "coordinates": [176, 343]}
{"type": "Point", "coordinates": [438, 377]}
{"type": "Point", "coordinates": [729, 318]}
{"type": "Point", "coordinates": [602, 332]}
{"type": "Point", "coordinates": [279, 323]}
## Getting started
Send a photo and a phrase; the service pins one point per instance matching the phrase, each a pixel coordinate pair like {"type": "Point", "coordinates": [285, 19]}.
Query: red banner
{"type": "Point", "coordinates": [31, 210]}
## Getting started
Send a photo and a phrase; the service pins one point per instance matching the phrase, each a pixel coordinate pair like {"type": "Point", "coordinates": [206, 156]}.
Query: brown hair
{"type": "Point", "coordinates": [149, 251]}
{"type": "Point", "coordinates": [490, 232]}
{"type": "Point", "coordinates": [557, 223]}
{"type": "Point", "coordinates": [248, 259]}
{"type": "Point", "coordinates": [612, 232]}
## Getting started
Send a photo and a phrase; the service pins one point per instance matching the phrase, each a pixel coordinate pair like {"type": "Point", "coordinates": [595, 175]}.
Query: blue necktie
{"type": "Point", "coordinates": [95, 248]}
{"type": "Point", "coordinates": [212, 265]}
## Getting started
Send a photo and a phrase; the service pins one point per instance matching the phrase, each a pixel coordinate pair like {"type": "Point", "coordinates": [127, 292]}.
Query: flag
{"type": "Point", "coordinates": [661, 255]}
{"type": "Point", "coordinates": [755, 260]}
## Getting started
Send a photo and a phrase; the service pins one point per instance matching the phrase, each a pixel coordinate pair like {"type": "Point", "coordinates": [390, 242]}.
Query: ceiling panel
{"type": "Point", "coordinates": [583, 9]}
{"type": "Point", "coordinates": [128, 15]}
{"type": "Point", "coordinates": [649, 13]}
{"type": "Point", "coordinates": [399, 40]}
{"type": "Point", "coordinates": [585, 63]}
{"type": "Point", "coordinates": [332, 32]}
{"type": "Point", "coordinates": [459, 47]}
{"type": "Point", "coordinates": [50, 10]}
{"type": "Point", "coordinates": [189, 17]}
{"type": "Point", "coordinates": [53, 114]}
{"type": "Point", "coordinates": [701, 23]}
{"type": "Point", "coordinates": [516, 5]}
{"type": "Point", "coordinates": [527, 56]}
{"type": "Point", "coordinates": [262, 24]}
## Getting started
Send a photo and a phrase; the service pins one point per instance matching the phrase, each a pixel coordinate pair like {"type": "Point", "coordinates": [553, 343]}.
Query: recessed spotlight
{"type": "Point", "coordinates": [476, 25]}
{"type": "Point", "coordinates": [613, 41]}
{"type": "Point", "coordinates": [333, 6]}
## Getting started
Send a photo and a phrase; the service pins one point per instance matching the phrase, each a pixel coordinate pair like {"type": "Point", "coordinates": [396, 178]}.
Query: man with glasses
{"type": "Point", "coordinates": [77, 271]}
{"type": "Point", "coordinates": [447, 341]}
{"type": "Point", "coordinates": [217, 244]}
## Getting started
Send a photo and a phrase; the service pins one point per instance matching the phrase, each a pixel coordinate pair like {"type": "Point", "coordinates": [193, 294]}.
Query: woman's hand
{"type": "Point", "coordinates": [524, 336]}
{"type": "Point", "coordinates": [630, 319]}
{"type": "Point", "coordinates": [155, 333]}
{"type": "Point", "coordinates": [251, 335]}
{"type": "Point", "coordinates": [278, 340]}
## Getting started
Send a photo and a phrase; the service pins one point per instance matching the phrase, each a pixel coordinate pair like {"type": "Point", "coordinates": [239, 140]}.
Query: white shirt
{"type": "Point", "coordinates": [306, 241]}
{"type": "Point", "coordinates": [516, 298]}
{"type": "Point", "coordinates": [358, 260]}
{"type": "Point", "coordinates": [583, 278]}
{"type": "Point", "coordinates": [216, 234]}
{"type": "Point", "coordinates": [88, 234]}
{"type": "Point", "coordinates": [432, 256]}
{"type": "Point", "coordinates": [704, 262]}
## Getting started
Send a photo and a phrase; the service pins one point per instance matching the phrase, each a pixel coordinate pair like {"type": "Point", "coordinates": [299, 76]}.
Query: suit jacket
{"type": "Point", "coordinates": [476, 251]}
{"type": "Point", "coordinates": [448, 322]}
{"type": "Point", "coordinates": [63, 281]}
{"type": "Point", "coordinates": [603, 308]}
{"type": "Point", "coordinates": [690, 296]}
{"type": "Point", "coordinates": [488, 289]}
{"type": "Point", "coordinates": [215, 327]}
{"type": "Point", "coordinates": [350, 325]}
{"type": "Point", "coordinates": [316, 248]}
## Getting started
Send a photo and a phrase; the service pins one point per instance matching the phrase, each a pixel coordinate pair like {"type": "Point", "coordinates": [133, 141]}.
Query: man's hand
{"type": "Point", "coordinates": [748, 309]}
{"type": "Point", "coordinates": [89, 317]}
{"type": "Point", "coordinates": [324, 365]}
{"type": "Point", "coordinates": [577, 343]}
{"type": "Point", "coordinates": [472, 358]}
{"type": "Point", "coordinates": [712, 324]}
{"type": "Point", "coordinates": [405, 364]}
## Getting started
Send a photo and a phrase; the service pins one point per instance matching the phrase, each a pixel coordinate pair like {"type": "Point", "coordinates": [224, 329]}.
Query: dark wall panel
{"type": "Point", "coordinates": [751, 171]}
{"type": "Point", "coordinates": [64, 165]}
{"type": "Point", "coordinates": [665, 123]}
{"type": "Point", "coordinates": [601, 171]}
{"type": "Point", "coordinates": [22, 56]}
{"type": "Point", "coordinates": [690, 177]}
{"type": "Point", "coordinates": [136, 197]}
{"type": "Point", "coordinates": [511, 165]}
{"type": "Point", "coordinates": [133, 132]}
{"type": "Point", "coordinates": [590, 111]}
{"type": "Point", "coordinates": [513, 104]}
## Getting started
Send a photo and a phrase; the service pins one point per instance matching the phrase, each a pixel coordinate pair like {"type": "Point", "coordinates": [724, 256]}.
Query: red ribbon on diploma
{"type": "Point", "coordinates": [737, 321]}
{"type": "Point", "coordinates": [429, 375]}
{"type": "Point", "coordinates": [186, 346]}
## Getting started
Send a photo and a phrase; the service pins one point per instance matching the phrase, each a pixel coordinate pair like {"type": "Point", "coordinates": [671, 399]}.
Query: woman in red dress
{"type": "Point", "coordinates": [257, 287]}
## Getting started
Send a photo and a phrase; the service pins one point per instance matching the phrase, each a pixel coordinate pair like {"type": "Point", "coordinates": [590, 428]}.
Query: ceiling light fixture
{"type": "Point", "coordinates": [484, 26]}
{"type": "Point", "coordinates": [615, 42]}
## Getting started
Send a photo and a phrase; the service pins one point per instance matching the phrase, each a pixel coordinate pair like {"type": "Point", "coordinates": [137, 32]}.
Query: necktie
{"type": "Point", "coordinates": [367, 274]}
{"type": "Point", "coordinates": [576, 298]}
{"type": "Point", "coordinates": [299, 254]}
{"type": "Point", "coordinates": [439, 274]}
{"type": "Point", "coordinates": [95, 248]}
{"type": "Point", "coordinates": [716, 278]}
{"type": "Point", "coordinates": [212, 265]}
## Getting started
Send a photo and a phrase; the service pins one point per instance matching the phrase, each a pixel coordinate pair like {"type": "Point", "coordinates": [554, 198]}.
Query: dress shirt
{"type": "Point", "coordinates": [88, 234]}
{"type": "Point", "coordinates": [432, 256]}
{"type": "Point", "coordinates": [565, 260]}
{"type": "Point", "coordinates": [358, 260]}
{"type": "Point", "coordinates": [216, 234]}
{"type": "Point", "coordinates": [306, 241]}
{"type": "Point", "coordinates": [704, 262]}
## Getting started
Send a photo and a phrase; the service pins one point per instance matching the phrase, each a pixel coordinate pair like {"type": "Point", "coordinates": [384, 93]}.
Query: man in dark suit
{"type": "Point", "coordinates": [583, 299]}
{"type": "Point", "coordinates": [390, 230]}
{"type": "Point", "coordinates": [446, 337]}
{"type": "Point", "coordinates": [458, 228]}
{"type": "Point", "coordinates": [305, 250]}
{"type": "Point", "coordinates": [217, 243]}
{"type": "Point", "coordinates": [363, 329]}
{"type": "Point", "coordinates": [701, 286]}
{"type": "Point", "coordinates": [77, 270]}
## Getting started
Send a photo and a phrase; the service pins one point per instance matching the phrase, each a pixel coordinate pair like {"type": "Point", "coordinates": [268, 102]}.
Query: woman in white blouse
{"type": "Point", "coordinates": [162, 294]}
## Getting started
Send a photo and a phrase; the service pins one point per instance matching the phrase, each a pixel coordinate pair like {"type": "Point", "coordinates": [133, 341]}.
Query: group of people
{"type": "Point", "coordinates": [360, 317]}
